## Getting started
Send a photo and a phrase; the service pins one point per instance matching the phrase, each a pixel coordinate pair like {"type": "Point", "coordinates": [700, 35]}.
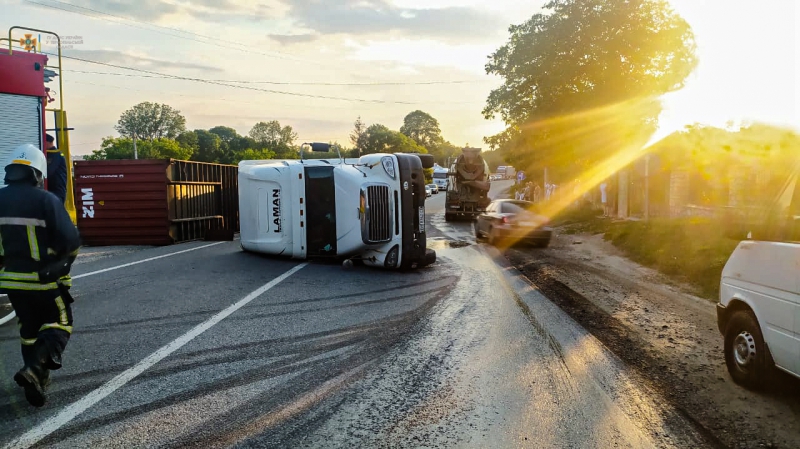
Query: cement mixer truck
{"type": "Point", "coordinates": [468, 189]}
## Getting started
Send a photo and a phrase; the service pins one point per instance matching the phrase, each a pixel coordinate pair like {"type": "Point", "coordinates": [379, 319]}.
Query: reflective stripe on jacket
{"type": "Point", "coordinates": [35, 231]}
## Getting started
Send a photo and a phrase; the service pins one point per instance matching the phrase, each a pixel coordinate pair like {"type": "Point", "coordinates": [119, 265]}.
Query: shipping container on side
{"type": "Point", "coordinates": [154, 201]}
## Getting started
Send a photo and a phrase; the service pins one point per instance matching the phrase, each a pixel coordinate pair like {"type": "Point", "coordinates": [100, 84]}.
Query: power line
{"type": "Point", "coordinates": [272, 91]}
{"type": "Point", "coordinates": [205, 81]}
{"type": "Point", "coordinates": [213, 39]}
{"type": "Point", "coordinates": [158, 26]}
{"type": "Point", "coordinates": [204, 98]}
{"type": "Point", "coordinates": [288, 83]}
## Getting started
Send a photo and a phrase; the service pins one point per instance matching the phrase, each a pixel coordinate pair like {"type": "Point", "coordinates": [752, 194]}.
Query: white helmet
{"type": "Point", "coordinates": [30, 156]}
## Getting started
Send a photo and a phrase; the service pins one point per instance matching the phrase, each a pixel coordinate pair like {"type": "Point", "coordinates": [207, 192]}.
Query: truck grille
{"type": "Point", "coordinates": [376, 221]}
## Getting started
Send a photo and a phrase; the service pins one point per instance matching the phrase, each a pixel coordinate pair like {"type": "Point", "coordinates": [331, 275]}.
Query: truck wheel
{"type": "Point", "coordinates": [745, 352]}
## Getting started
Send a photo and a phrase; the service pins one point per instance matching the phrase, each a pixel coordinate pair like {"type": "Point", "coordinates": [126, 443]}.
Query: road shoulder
{"type": "Point", "coordinates": [666, 334]}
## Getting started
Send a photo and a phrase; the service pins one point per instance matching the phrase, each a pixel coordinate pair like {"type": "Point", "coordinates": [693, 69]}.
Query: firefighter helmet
{"type": "Point", "coordinates": [26, 155]}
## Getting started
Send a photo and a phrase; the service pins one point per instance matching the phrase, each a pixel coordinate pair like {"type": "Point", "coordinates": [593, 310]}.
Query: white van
{"type": "Point", "coordinates": [759, 306]}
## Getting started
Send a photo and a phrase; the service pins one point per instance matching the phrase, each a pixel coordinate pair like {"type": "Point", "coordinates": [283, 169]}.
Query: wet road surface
{"type": "Point", "coordinates": [202, 345]}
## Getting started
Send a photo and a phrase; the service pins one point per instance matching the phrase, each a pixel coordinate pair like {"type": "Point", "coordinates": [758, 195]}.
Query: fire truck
{"type": "Point", "coordinates": [26, 98]}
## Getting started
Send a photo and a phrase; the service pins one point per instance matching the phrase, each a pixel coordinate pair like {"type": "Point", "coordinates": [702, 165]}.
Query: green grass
{"type": "Point", "coordinates": [692, 250]}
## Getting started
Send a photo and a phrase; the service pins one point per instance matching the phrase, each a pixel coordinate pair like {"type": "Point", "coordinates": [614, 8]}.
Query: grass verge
{"type": "Point", "coordinates": [692, 250]}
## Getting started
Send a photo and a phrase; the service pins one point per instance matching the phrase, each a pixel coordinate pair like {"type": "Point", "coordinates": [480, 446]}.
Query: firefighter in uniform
{"type": "Point", "coordinates": [56, 170]}
{"type": "Point", "coordinates": [38, 244]}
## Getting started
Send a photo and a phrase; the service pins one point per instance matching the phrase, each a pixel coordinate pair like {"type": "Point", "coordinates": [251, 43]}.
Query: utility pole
{"type": "Point", "coordinates": [647, 186]}
{"type": "Point", "coordinates": [135, 152]}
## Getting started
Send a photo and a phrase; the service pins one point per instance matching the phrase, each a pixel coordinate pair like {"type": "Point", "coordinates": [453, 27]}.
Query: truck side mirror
{"type": "Point", "coordinates": [426, 159]}
{"type": "Point", "coordinates": [319, 147]}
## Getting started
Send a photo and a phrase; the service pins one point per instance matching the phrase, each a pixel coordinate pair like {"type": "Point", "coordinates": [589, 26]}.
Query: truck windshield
{"type": "Point", "coordinates": [321, 210]}
{"type": "Point", "coordinates": [439, 175]}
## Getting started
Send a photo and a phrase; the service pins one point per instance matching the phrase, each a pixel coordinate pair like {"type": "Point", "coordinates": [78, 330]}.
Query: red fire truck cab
{"type": "Point", "coordinates": [24, 100]}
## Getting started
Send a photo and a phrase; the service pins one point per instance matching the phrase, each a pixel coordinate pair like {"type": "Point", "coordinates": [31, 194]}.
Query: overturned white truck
{"type": "Point", "coordinates": [370, 209]}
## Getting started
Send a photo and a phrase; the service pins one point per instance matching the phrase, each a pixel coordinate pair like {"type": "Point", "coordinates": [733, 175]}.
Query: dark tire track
{"type": "Point", "coordinates": [625, 343]}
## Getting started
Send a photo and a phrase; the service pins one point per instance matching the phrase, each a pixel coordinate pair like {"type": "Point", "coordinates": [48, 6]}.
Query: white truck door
{"type": "Point", "coordinates": [796, 299]}
{"type": "Point", "coordinates": [20, 123]}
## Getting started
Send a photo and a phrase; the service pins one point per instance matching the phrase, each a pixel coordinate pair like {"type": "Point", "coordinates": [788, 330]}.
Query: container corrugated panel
{"type": "Point", "coordinates": [154, 202]}
{"type": "Point", "coordinates": [122, 202]}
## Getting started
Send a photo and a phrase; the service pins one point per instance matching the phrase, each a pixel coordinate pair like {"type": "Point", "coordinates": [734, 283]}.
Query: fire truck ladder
{"type": "Point", "coordinates": [60, 115]}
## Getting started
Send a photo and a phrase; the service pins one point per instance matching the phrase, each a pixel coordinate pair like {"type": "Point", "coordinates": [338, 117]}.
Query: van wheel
{"type": "Point", "coordinates": [745, 352]}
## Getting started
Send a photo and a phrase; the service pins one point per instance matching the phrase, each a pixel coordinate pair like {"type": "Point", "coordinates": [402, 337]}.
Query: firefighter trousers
{"type": "Point", "coordinates": [45, 325]}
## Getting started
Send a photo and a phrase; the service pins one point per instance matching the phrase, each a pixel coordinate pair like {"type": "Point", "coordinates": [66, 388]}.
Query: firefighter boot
{"type": "Point", "coordinates": [30, 378]}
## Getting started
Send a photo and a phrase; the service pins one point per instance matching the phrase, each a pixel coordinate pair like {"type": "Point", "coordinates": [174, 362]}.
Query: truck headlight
{"type": "Point", "coordinates": [388, 166]}
{"type": "Point", "coordinates": [391, 257]}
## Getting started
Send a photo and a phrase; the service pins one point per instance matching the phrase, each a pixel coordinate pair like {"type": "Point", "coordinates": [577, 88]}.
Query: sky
{"type": "Point", "coordinates": [318, 68]}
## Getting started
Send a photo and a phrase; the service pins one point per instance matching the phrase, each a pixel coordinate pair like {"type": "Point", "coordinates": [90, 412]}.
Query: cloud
{"type": "Point", "coordinates": [290, 39]}
{"type": "Point", "coordinates": [156, 10]}
{"type": "Point", "coordinates": [137, 61]}
{"type": "Point", "coordinates": [376, 17]}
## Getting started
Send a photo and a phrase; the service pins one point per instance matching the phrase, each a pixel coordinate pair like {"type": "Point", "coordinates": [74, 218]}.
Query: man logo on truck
{"type": "Point", "coordinates": [88, 202]}
{"type": "Point", "coordinates": [276, 209]}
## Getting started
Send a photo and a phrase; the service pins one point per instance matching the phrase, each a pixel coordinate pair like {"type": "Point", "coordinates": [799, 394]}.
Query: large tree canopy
{"type": "Point", "coordinates": [378, 138]}
{"type": "Point", "coordinates": [122, 148]}
{"type": "Point", "coordinates": [273, 133]}
{"type": "Point", "coordinates": [151, 121]}
{"type": "Point", "coordinates": [582, 79]}
{"type": "Point", "coordinates": [422, 128]}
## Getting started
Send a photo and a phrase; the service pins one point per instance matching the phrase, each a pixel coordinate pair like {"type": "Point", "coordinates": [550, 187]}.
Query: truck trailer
{"type": "Point", "coordinates": [468, 190]}
{"type": "Point", "coordinates": [371, 209]}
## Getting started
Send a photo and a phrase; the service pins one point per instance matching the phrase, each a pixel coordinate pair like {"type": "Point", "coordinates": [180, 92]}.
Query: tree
{"type": "Point", "coordinates": [226, 133]}
{"type": "Point", "coordinates": [151, 121]}
{"type": "Point", "coordinates": [380, 139]}
{"type": "Point", "coordinates": [272, 133]}
{"type": "Point", "coordinates": [188, 139]}
{"type": "Point", "coordinates": [443, 151]}
{"type": "Point", "coordinates": [422, 128]}
{"type": "Point", "coordinates": [356, 137]}
{"type": "Point", "coordinates": [209, 147]}
{"type": "Point", "coordinates": [582, 80]}
{"type": "Point", "coordinates": [251, 154]}
{"type": "Point", "coordinates": [122, 148]}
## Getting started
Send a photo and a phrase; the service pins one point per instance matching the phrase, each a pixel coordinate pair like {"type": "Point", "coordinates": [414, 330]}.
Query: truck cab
{"type": "Point", "coordinates": [370, 209]}
{"type": "Point", "coordinates": [440, 178]}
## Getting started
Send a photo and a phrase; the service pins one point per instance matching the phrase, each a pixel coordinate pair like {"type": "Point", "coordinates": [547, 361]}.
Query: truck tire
{"type": "Point", "coordinates": [746, 354]}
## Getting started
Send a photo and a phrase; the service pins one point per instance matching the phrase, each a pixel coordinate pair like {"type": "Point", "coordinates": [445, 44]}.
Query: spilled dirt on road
{"type": "Point", "coordinates": [668, 336]}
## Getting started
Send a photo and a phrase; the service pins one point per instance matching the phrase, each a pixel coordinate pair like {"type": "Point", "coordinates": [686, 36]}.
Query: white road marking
{"type": "Point", "coordinates": [104, 270]}
{"type": "Point", "coordinates": [7, 318]}
{"type": "Point", "coordinates": [66, 415]}
{"type": "Point", "coordinates": [11, 315]}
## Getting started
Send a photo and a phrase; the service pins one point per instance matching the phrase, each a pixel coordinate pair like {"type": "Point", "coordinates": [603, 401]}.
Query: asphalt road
{"type": "Point", "coordinates": [203, 345]}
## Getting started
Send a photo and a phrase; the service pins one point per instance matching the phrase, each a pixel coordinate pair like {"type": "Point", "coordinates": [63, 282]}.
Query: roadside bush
{"type": "Point", "coordinates": [692, 249]}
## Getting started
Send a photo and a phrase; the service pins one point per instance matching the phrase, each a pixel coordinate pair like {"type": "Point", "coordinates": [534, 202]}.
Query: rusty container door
{"type": "Point", "coordinates": [122, 202]}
